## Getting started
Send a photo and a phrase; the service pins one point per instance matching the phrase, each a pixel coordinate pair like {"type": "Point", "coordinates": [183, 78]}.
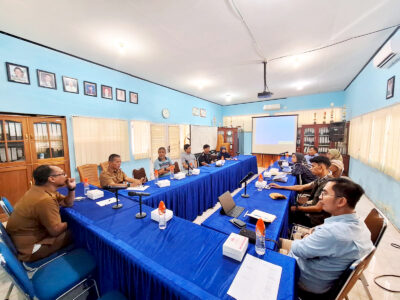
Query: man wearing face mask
{"type": "Point", "coordinates": [35, 225]}
{"type": "Point", "coordinates": [311, 213]}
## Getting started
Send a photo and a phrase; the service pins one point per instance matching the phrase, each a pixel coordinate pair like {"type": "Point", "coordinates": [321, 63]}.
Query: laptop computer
{"type": "Point", "coordinates": [228, 205]}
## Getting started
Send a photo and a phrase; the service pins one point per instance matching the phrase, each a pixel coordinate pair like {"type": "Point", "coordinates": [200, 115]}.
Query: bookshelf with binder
{"type": "Point", "coordinates": [318, 135]}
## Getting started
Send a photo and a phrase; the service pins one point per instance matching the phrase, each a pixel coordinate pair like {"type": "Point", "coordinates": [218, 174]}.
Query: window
{"type": "Point", "coordinates": [140, 131]}
{"type": "Point", "coordinates": [375, 140]}
{"type": "Point", "coordinates": [96, 138]}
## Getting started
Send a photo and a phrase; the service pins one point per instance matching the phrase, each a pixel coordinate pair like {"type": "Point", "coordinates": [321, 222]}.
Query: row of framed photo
{"type": "Point", "coordinates": [20, 74]}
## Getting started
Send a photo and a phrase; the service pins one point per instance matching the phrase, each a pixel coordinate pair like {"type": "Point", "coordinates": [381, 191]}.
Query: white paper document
{"type": "Point", "coordinates": [256, 279]}
{"type": "Point", "coordinates": [106, 201]}
{"type": "Point", "coordinates": [138, 188]}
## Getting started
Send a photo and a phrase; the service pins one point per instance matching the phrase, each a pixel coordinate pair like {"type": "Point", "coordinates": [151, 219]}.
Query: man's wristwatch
{"type": "Point", "coordinates": [128, 184]}
{"type": "Point", "coordinates": [71, 189]}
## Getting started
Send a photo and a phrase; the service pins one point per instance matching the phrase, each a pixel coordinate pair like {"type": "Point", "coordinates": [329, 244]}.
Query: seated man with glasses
{"type": "Point", "coordinates": [35, 225]}
{"type": "Point", "coordinates": [311, 213]}
{"type": "Point", "coordinates": [332, 247]}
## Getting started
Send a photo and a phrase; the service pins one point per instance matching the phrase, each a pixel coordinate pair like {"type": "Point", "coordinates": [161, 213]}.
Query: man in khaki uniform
{"type": "Point", "coordinates": [35, 225]}
{"type": "Point", "coordinates": [114, 176]}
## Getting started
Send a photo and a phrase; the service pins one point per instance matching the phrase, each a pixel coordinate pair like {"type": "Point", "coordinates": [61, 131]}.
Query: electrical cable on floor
{"type": "Point", "coordinates": [388, 275]}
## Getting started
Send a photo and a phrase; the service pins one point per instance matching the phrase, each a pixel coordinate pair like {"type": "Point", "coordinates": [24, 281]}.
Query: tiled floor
{"type": "Point", "coordinates": [385, 261]}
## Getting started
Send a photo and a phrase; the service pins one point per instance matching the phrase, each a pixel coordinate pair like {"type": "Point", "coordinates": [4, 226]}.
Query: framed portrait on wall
{"type": "Point", "coordinates": [46, 79]}
{"type": "Point", "coordinates": [17, 73]}
{"type": "Point", "coordinates": [106, 92]}
{"type": "Point", "coordinates": [195, 111]}
{"type": "Point", "coordinates": [90, 88]}
{"type": "Point", "coordinates": [121, 95]}
{"type": "Point", "coordinates": [203, 112]}
{"type": "Point", "coordinates": [70, 85]}
{"type": "Point", "coordinates": [133, 98]}
{"type": "Point", "coordinates": [390, 87]}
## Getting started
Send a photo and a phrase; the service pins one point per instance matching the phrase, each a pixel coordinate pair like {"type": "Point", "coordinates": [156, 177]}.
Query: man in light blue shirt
{"type": "Point", "coordinates": [333, 246]}
{"type": "Point", "coordinates": [162, 163]}
{"type": "Point", "coordinates": [312, 152]}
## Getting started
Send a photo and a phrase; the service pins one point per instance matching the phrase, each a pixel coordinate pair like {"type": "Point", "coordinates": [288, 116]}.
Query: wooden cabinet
{"type": "Point", "coordinates": [230, 136]}
{"type": "Point", "coordinates": [23, 147]}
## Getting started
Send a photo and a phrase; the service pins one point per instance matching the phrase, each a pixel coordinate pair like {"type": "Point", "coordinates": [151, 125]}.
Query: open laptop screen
{"type": "Point", "coordinates": [226, 201]}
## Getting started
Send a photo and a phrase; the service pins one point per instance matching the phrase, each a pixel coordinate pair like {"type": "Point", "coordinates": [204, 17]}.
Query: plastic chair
{"type": "Point", "coordinates": [90, 172]}
{"type": "Point", "coordinates": [139, 173]}
{"type": "Point", "coordinates": [6, 206]}
{"type": "Point", "coordinates": [29, 266]}
{"type": "Point", "coordinates": [53, 280]}
{"type": "Point", "coordinates": [104, 166]}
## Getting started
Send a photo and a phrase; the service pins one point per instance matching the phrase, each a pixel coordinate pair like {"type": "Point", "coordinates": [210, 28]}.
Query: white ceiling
{"type": "Point", "coordinates": [178, 43]}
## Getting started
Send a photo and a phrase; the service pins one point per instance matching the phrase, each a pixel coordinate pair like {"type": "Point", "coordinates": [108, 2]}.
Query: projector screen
{"type": "Point", "coordinates": [201, 135]}
{"type": "Point", "coordinates": [274, 135]}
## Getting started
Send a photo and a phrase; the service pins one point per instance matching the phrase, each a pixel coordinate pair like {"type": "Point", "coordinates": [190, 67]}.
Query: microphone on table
{"type": "Point", "coordinates": [141, 214]}
{"type": "Point", "coordinates": [115, 190]}
{"type": "Point", "coordinates": [244, 180]}
{"type": "Point", "coordinates": [189, 166]}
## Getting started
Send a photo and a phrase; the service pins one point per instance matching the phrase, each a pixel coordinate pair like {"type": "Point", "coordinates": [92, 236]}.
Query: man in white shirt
{"type": "Point", "coordinates": [333, 246]}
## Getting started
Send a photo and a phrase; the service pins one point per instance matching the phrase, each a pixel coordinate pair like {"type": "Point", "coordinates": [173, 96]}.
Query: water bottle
{"type": "Point", "coordinates": [260, 237]}
{"type": "Point", "coordinates": [259, 183]}
{"type": "Point", "coordinates": [171, 172]}
{"type": "Point", "coordinates": [156, 175]}
{"type": "Point", "coordinates": [85, 186]}
{"type": "Point", "coordinates": [162, 223]}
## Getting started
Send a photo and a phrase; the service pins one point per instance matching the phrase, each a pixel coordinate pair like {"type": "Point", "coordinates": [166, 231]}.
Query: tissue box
{"type": "Point", "coordinates": [261, 184]}
{"type": "Point", "coordinates": [274, 171]}
{"type": "Point", "coordinates": [285, 164]}
{"type": "Point", "coordinates": [95, 194]}
{"type": "Point", "coordinates": [180, 175]}
{"type": "Point", "coordinates": [267, 174]}
{"type": "Point", "coordinates": [156, 217]}
{"type": "Point", "coordinates": [196, 171]}
{"type": "Point", "coordinates": [235, 246]}
{"type": "Point", "coordinates": [163, 183]}
{"type": "Point", "coordinates": [220, 163]}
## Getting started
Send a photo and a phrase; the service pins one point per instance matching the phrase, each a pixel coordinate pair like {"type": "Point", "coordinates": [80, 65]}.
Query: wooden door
{"type": "Point", "coordinates": [49, 142]}
{"type": "Point", "coordinates": [15, 158]}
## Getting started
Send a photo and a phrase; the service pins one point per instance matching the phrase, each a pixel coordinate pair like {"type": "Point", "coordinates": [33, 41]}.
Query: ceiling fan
{"type": "Point", "coordinates": [266, 93]}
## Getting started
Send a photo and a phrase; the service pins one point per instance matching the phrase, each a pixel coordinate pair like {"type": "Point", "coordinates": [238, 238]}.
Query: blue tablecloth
{"type": "Point", "coordinates": [190, 197]}
{"type": "Point", "coordinates": [184, 261]}
{"type": "Point", "coordinates": [258, 200]}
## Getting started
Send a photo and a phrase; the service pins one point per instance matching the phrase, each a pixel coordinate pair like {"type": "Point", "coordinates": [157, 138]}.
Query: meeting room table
{"type": "Point", "coordinates": [191, 196]}
{"type": "Point", "coordinates": [260, 200]}
{"type": "Point", "coordinates": [183, 261]}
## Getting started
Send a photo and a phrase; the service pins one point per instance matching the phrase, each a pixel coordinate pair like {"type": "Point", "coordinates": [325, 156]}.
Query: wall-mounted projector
{"type": "Point", "coordinates": [272, 107]}
{"type": "Point", "coordinates": [265, 94]}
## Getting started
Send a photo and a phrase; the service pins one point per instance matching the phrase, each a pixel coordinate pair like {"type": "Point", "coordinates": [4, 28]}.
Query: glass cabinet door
{"type": "Point", "coordinates": [12, 145]}
{"type": "Point", "coordinates": [48, 139]}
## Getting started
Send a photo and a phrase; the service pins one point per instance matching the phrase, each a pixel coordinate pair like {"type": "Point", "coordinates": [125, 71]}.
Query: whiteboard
{"type": "Point", "coordinates": [201, 135]}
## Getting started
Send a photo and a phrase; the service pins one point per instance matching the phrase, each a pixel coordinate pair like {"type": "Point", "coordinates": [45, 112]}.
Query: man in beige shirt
{"type": "Point", "coordinates": [35, 225]}
{"type": "Point", "coordinates": [114, 176]}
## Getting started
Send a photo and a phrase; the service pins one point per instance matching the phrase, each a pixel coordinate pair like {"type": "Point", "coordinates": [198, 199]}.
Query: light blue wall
{"type": "Point", "coordinates": [31, 99]}
{"type": "Point", "coordinates": [315, 101]}
{"type": "Point", "coordinates": [368, 93]}
{"type": "Point", "coordinates": [291, 104]}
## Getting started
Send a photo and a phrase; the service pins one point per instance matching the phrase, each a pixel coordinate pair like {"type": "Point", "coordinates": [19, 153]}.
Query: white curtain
{"type": "Point", "coordinates": [174, 141]}
{"type": "Point", "coordinates": [140, 131]}
{"type": "Point", "coordinates": [158, 139]}
{"type": "Point", "coordinates": [96, 138]}
{"type": "Point", "coordinates": [375, 140]}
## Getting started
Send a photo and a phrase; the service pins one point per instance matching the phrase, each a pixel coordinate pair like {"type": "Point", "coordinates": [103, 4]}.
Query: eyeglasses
{"type": "Point", "coordinates": [55, 175]}
{"type": "Point", "coordinates": [325, 194]}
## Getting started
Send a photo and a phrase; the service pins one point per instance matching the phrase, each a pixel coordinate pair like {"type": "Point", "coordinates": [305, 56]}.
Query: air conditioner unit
{"type": "Point", "coordinates": [272, 107]}
{"type": "Point", "coordinates": [389, 54]}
